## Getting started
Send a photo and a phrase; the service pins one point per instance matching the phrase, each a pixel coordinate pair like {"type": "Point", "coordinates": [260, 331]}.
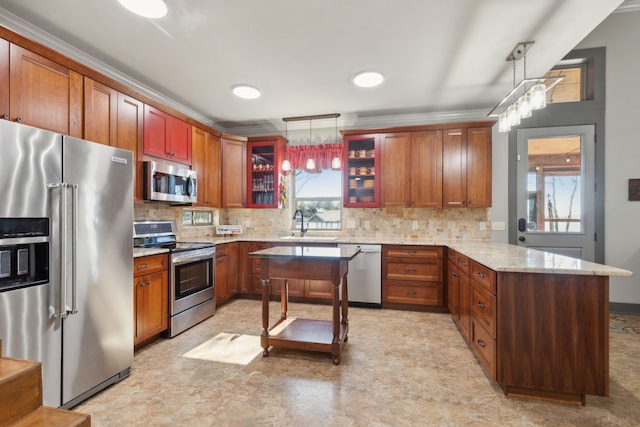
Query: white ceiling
{"type": "Point", "coordinates": [437, 56]}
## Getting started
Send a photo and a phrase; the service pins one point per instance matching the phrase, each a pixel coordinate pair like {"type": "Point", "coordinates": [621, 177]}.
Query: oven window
{"type": "Point", "coordinates": [193, 277]}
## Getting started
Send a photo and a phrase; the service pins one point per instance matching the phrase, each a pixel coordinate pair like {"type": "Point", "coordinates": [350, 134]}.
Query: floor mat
{"type": "Point", "coordinates": [227, 348]}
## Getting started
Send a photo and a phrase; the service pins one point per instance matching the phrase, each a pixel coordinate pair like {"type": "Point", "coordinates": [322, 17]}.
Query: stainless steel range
{"type": "Point", "coordinates": [191, 283]}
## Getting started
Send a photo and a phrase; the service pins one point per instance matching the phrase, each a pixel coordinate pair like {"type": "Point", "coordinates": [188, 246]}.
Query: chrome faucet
{"type": "Point", "coordinates": [302, 229]}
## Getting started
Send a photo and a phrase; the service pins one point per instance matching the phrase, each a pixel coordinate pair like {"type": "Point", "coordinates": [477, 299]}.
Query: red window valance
{"type": "Point", "coordinates": [322, 154]}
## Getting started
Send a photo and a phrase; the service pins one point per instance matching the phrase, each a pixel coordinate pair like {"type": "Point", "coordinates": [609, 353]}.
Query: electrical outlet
{"type": "Point", "coordinates": [414, 225]}
{"type": "Point", "coordinates": [498, 225]}
{"type": "Point", "coordinates": [367, 225]}
{"type": "Point", "coordinates": [351, 223]}
{"type": "Point", "coordinates": [483, 226]}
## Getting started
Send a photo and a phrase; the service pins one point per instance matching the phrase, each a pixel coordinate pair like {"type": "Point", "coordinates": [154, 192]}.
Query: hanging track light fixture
{"type": "Point", "coordinates": [534, 92]}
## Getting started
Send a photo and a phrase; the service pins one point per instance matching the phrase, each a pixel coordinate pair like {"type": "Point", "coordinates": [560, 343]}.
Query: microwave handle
{"type": "Point", "coordinates": [190, 186]}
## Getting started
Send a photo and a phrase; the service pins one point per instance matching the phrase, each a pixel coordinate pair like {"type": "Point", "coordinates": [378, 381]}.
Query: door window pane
{"type": "Point", "coordinates": [555, 185]}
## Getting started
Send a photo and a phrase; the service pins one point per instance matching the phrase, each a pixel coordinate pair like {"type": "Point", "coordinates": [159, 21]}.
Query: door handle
{"type": "Point", "coordinates": [521, 238]}
{"type": "Point", "coordinates": [522, 224]}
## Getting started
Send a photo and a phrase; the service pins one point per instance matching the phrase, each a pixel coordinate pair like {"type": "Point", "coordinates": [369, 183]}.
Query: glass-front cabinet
{"type": "Point", "coordinates": [361, 171]}
{"type": "Point", "coordinates": [264, 160]}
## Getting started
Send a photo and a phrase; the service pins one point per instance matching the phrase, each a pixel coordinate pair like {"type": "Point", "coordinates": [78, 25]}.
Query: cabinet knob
{"type": "Point", "coordinates": [17, 119]}
{"type": "Point", "coordinates": [5, 116]}
{"type": "Point", "coordinates": [481, 305]}
{"type": "Point", "coordinates": [481, 343]}
{"type": "Point", "coordinates": [142, 266]}
{"type": "Point", "coordinates": [481, 275]}
{"type": "Point", "coordinates": [454, 274]}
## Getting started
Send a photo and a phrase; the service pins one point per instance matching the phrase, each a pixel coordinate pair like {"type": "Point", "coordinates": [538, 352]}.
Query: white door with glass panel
{"type": "Point", "coordinates": [556, 190]}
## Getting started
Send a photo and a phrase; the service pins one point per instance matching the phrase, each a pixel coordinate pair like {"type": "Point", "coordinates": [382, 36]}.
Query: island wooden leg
{"type": "Point", "coordinates": [264, 337]}
{"type": "Point", "coordinates": [335, 343]}
{"type": "Point", "coordinates": [345, 307]}
{"type": "Point", "coordinates": [284, 299]}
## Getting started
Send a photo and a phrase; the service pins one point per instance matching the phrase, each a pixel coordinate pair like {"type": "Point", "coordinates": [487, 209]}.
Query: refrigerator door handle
{"type": "Point", "coordinates": [61, 312]}
{"type": "Point", "coordinates": [74, 246]}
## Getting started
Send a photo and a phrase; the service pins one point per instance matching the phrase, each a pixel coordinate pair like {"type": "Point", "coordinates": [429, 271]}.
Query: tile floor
{"type": "Point", "coordinates": [399, 368]}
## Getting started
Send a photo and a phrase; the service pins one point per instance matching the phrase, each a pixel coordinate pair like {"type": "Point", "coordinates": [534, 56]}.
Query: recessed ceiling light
{"type": "Point", "coordinates": [368, 79]}
{"type": "Point", "coordinates": [246, 92]}
{"type": "Point", "coordinates": [147, 8]}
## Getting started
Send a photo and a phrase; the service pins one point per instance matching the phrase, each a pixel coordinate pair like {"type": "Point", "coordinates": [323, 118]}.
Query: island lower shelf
{"type": "Point", "coordinates": [315, 335]}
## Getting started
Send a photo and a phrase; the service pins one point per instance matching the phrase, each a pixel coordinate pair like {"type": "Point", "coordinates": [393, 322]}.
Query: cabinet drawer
{"type": "Point", "coordinates": [412, 251]}
{"type": "Point", "coordinates": [484, 276]}
{"type": "Point", "coordinates": [222, 250]}
{"type": "Point", "coordinates": [463, 263]}
{"type": "Point", "coordinates": [483, 306]}
{"type": "Point", "coordinates": [484, 346]}
{"type": "Point", "coordinates": [150, 264]}
{"type": "Point", "coordinates": [429, 270]}
{"type": "Point", "coordinates": [452, 256]}
{"type": "Point", "coordinates": [428, 294]}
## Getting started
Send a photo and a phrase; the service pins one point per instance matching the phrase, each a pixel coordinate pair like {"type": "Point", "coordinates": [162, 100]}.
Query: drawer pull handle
{"type": "Point", "coordinates": [481, 275]}
{"type": "Point", "coordinates": [454, 274]}
{"type": "Point", "coordinates": [452, 257]}
{"type": "Point", "coordinates": [141, 266]}
{"type": "Point", "coordinates": [410, 270]}
{"type": "Point", "coordinates": [481, 343]}
{"type": "Point", "coordinates": [463, 263]}
{"type": "Point", "coordinates": [411, 292]}
{"type": "Point", "coordinates": [481, 305]}
{"type": "Point", "coordinates": [411, 251]}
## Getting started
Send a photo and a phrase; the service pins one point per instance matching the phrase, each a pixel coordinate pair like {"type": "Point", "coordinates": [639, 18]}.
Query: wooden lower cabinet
{"type": "Point", "coordinates": [151, 297]}
{"type": "Point", "coordinates": [226, 272]}
{"type": "Point", "coordinates": [412, 275]}
{"type": "Point", "coordinates": [542, 336]}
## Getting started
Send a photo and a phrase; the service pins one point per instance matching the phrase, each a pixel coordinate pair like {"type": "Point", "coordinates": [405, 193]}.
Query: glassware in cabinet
{"type": "Point", "coordinates": [361, 171]}
{"type": "Point", "coordinates": [264, 159]}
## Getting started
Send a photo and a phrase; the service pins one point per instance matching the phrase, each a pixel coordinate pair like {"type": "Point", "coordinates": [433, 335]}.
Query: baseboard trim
{"type": "Point", "coordinates": [624, 308]}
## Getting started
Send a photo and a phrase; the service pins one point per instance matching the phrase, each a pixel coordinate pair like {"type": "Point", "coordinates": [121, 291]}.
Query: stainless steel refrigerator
{"type": "Point", "coordinates": [77, 319]}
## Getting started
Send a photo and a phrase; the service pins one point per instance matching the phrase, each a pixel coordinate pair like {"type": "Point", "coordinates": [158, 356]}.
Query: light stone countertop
{"type": "Point", "coordinates": [495, 255]}
{"type": "Point", "coordinates": [138, 252]}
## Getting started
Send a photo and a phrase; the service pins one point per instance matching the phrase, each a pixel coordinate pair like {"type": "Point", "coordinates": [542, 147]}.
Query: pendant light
{"type": "Point", "coordinates": [311, 163]}
{"type": "Point", "coordinates": [534, 98]}
{"type": "Point", "coordinates": [336, 162]}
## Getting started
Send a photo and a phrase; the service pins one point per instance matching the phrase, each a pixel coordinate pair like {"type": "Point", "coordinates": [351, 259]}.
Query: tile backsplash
{"type": "Point", "coordinates": [463, 223]}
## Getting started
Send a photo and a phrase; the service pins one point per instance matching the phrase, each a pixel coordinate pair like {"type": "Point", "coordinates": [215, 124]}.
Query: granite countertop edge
{"type": "Point", "coordinates": [498, 256]}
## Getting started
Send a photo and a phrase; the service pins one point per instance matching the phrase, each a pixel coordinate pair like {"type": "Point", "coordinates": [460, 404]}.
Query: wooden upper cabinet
{"type": "Point", "coordinates": [115, 119]}
{"type": "Point", "coordinates": [100, 113]}
{"type": "Point", "coordinates": [454, 168]}
{"type": "Point", "coordinates": [426, 169]}
{"type": "Point", "coordinates": [479, 167]}
{"type": "Point", "coordinates": [44, 94]}
{"type": "Point", "coordinates": [467, 167]}
{"type": "Point", "coordinates": [411, 165]}
{"type": "Point", "coordinates": [233, 173]}
{"type": "Point", "coordinates": [166, 136]}
{"type": "Point", "coordinates": [4, 79]}
{"type": "Point", "coordinates": [206, 156]}
{"type": "Point", "coordinates": [129, 131]}
{"type": "Point", "coordinates": [361, 160]}
{"type": "Point", "coordinates": [395, 161]}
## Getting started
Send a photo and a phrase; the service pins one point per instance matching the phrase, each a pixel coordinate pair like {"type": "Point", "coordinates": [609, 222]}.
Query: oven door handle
{"type": "Point", "coordinates": [187, 257]}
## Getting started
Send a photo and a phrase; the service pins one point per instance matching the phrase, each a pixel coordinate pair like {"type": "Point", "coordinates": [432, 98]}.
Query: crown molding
{"type": "Point", "coordinates": [628, 6]}
{"type": "Point", "coordinates": [353, 121]}
{"type": "Point", "coordinates": [30, 31]}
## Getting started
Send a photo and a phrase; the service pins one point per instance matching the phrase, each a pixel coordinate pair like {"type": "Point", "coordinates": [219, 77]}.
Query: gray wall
{"type": "Point", "coordinates": [620, 34]}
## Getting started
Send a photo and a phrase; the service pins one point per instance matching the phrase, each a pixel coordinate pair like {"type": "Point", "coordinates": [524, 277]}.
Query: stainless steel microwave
{"type": "Point", "coordinates": [169, 183]}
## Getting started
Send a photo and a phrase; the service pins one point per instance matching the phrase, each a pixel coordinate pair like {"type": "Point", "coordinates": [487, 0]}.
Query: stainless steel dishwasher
{"type": "Point", "coordinates": [365, 276]}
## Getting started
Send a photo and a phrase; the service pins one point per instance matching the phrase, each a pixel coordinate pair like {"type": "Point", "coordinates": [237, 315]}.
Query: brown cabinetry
{"type": "Point", "coordinates": [411, 165]}
{"type": "Point", "coordinates": [151, 296]}
{"type": "Point", "coordinates": [207, 162]}
{"type": "Point", "coordinates": [264, 159]}
{"type": "Point", "coordinates": [166, 136]}
{"type": "Point", "coordinates": [42, 93]}
{"type": "Point", "coordinates": [113, 118]}
{"type": "Point", "coordinates": [466, 167]}
{"type": "Point", "coordinates": [233, 173]}
{"type": "Point", "coordinates": [361, 171]}
{"type": "Point", "coordinates": [226, 272]}
{"type": "Point", "coordinates": [412, 275]}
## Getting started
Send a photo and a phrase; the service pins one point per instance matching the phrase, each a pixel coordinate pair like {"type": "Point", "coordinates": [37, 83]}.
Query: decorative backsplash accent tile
{"type": "Point", "coordinates": [383, 222]}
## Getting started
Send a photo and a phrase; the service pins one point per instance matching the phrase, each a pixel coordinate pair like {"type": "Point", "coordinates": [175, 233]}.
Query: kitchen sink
{"type": "Point", "coordinates": [309, 238]}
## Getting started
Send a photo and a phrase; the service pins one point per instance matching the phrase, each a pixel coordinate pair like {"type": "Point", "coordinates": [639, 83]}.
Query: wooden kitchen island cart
{"type": "Point", "coordinates": [306, 263]}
